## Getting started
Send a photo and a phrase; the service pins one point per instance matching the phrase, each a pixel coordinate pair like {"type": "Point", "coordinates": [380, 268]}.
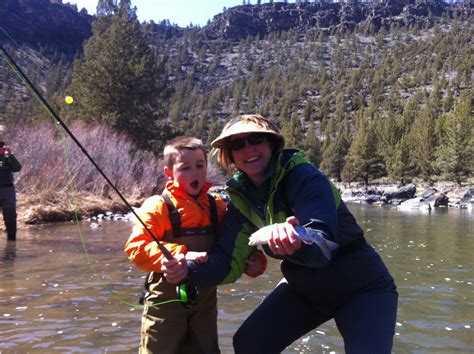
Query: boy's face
{"type": "Point", "coordinates": [189, 170]}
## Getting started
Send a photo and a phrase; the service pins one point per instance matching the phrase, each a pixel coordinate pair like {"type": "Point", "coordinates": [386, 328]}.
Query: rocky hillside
{"type": "Point", "coordinates": [60, 27]}
{"type": "Point", "coordinates": [305, 17]}
{"type": "Point", "coordinates": [44, 24]}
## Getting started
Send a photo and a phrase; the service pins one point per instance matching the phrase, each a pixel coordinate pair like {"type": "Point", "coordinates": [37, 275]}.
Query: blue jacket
{"type": "Point", "coordinates": [295, 187]}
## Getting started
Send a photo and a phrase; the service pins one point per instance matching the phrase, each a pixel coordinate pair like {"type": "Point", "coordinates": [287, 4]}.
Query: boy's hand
{"type": "Point", "coordinates": [175, 270]}
{"type": "Point", "coordinates": [256, 264]}
{"type": "Point", "coordinates": [197, 257]}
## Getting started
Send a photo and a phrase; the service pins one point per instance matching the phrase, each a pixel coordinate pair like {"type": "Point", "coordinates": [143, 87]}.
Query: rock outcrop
{"type": "Point", "coordinates": [42, 24]}
{"type": "Point", "coordinates": [58, 26]}
{"type": "Point", "coordinates": [259, 20]}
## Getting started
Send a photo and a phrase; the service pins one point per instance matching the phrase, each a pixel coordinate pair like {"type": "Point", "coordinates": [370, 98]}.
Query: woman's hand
{"type": "Point", "coordinates": [175, 270]}
{"type": "Point", "coordinates": [196, 257]}
{"type": "Point", "coordinates": [284, 240]}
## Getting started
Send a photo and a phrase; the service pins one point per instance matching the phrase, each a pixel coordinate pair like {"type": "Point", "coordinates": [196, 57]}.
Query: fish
{"type": "Point", "coordinates": [306, 235]}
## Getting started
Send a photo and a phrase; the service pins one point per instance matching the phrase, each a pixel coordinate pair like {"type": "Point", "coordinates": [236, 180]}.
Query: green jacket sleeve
{"type": "Point", "coordinates": [239, 255]}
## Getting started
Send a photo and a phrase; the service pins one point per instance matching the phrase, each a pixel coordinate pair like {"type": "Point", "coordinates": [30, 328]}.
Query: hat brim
{"type": "Point", "coordinates": [241, 128]}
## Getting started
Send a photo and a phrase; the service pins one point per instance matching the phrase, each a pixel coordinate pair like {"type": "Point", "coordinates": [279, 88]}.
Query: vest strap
{"type": "Point", "coordinates": [173, 215]}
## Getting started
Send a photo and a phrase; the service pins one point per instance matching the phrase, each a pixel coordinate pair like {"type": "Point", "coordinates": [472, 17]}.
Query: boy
{"type": "Point", "coordinates": [171, 327]}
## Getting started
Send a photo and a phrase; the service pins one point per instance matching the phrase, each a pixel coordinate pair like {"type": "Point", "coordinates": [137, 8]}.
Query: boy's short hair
{"type": "Point", "coordinates": [175, 146]}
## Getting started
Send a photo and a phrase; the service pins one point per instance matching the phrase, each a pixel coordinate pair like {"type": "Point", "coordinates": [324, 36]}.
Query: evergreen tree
{"type": "Point", "coordinates": [393, 146]}
{"type": "Point", "coordinates": [293, 133]}
{"type": "Point", "coordinates": [422, 141]}
{"type": "Point", "coordinates": [313, 145]}
{"type": "Point", "coordinates": [400, 168]}
{"type": "Point", "coordinates": [334, 154]}
{"type": "Point", "coordinates": [121, 82]}
{"type": "Point", "coordinates": [363, 161]}
{"type": "Point", "coordinates": [454, 156]}
{"type": "Point", "coordinates": [308, 109]}
{"type": "Point", "coordinates": [106, 7]}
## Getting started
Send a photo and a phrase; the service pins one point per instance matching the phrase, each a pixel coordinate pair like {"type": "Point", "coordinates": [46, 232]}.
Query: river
{"type": "Point", "coordinates": [57, 297]}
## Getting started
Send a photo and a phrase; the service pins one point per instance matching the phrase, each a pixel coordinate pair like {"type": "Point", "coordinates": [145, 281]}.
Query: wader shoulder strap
{"type": "Point", "coordinates": [173, 215]}
{"type": "Point", "coordinates": [176, 224]}
{"type": "Point", "coordinates": [176, 219]}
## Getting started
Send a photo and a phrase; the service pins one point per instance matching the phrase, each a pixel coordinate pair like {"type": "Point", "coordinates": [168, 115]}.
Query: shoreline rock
{"type": "Point", "coordinates": [410, 196]}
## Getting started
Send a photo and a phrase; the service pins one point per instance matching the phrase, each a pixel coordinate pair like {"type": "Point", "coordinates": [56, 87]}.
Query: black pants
{"type": "Point", "coordinates": [8, 206]}
{"type": "Point", "coordinates": [364, 309]}
{"type": "Point", "coordinates": [9, 217]}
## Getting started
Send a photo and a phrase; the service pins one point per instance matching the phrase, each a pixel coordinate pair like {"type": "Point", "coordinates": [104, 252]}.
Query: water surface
{"type": "Point", "coordinates": [66, 288]}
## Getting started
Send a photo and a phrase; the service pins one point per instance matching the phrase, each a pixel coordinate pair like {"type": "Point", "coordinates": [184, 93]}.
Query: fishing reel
{"type": "Point", "coordinates": [187, 293]}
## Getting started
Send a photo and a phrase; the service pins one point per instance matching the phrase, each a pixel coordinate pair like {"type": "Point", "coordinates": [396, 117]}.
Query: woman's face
{"type": "Point", "coordinates": [251, 153]}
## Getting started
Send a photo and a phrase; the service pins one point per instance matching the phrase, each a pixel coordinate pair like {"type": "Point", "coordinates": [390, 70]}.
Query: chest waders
{"type": "Point", "coordinates": [197, 239]}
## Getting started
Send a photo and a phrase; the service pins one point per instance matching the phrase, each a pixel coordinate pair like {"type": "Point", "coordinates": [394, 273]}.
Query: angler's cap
{"type": "Point", "coordinates": [247, 123]}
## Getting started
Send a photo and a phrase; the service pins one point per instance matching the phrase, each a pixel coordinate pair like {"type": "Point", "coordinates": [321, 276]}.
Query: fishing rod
{"type": "Point", "coordinates": [185, 291]}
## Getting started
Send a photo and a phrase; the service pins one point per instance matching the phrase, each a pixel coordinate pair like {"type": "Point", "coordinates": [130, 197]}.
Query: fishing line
{"type": "Point", "coordinates": [45, 105]}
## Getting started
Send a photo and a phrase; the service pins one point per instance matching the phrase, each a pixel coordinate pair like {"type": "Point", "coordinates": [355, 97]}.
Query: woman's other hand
{"type": "Point", "coordinates": [284, 240]}
{"type": "Point", "coordinates": [196, 257]}
{"type": "Point", "coordinates": [256, 264]}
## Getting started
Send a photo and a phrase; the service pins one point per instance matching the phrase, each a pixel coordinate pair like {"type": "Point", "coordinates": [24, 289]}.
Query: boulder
{"type": "Point", "coordinates": [403, 193]}
{"type": "Point", "coordinates": [414, 203]}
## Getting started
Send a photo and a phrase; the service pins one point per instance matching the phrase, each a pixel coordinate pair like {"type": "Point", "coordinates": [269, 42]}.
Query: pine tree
{"type": "Point", "coordinates": [400, 167]}
{"type": "Point", "coordinates": [363, 161]}
{"type": "Point", "coordinates": [334, 154]}
{"type": "Point", "coordinates": [120, 81]}
{"type": "Point", "coordinates": [454, 156]}
{"type": "Point", "coordinates": [292, 131]}
{"type": "Point", "coordinates": [313, 145]}
{"type": "Point", "coordinates": [422, 141]}
{"type": "Point", "coordinates": [308, 109]}
{"type": "Point", "coordinates": [391, 135]}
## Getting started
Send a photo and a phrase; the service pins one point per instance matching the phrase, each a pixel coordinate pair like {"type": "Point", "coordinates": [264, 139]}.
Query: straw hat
{"type": "Point", "coordinates": [247, 123]}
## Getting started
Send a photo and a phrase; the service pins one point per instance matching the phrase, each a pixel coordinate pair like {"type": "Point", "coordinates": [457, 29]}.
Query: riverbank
{"type": "Point", "coordinates": [41, 209]}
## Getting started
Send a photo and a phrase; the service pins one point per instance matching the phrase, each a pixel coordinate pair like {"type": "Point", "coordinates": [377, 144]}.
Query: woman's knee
{"type": "Point", "coordinates": [240, 341]}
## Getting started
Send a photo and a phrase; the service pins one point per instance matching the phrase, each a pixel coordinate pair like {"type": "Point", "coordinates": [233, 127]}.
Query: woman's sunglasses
{"type": "Point", "coordinates": [239, 144]}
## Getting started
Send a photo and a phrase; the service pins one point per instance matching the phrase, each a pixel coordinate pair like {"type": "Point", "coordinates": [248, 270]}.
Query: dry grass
{"type": "Point", "coordinates": [45, 208]}
{"type": "Point", "coordinates": [52, 162]}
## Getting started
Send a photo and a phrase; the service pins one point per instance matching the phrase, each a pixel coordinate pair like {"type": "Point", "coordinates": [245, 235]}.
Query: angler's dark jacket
{"type": "Point", "coordinates": [8, 164]}
{"type": "Point", "coordinates": [295, 187]}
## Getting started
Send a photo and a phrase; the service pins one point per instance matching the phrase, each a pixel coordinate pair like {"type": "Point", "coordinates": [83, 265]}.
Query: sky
{"type": "Point", "coordinates": [180, 12]}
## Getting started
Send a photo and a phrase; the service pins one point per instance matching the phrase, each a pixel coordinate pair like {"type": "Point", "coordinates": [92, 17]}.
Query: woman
{"type": "Point", "coordinates": [339, 276]}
